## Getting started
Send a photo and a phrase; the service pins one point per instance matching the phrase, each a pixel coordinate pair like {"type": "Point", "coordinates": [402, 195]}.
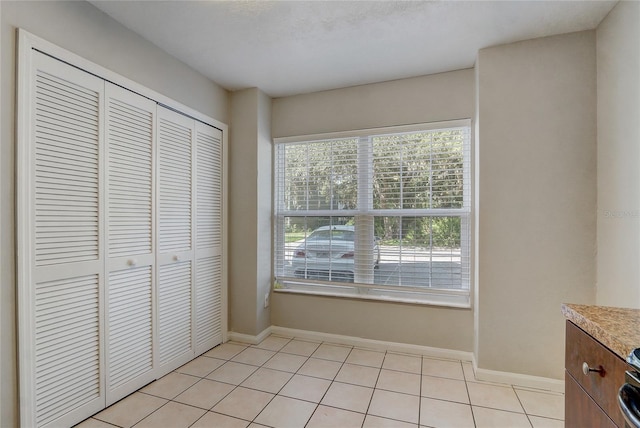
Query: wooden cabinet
{"type": "Point", "coordinates": [591, 396]}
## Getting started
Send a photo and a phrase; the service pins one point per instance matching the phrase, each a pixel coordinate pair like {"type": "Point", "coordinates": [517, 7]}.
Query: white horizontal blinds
{"type": "Point", "coordinates": [319, 179]}
{"type": "Point", "coordinates": [318, 175]}
{"type": "Point", "coordinates": [67, 346]}
{"type": "Point", "coordinates": [66, 275]}
{"type": "Point", "coordinates": [366, 249]}
{"type": "Point", "coordinates": [404, 194]}
{"type": "Point", "coordinates": [208, 237]}
{"type": "Point", "coordinates": [175, 238]}
{"type": "Point", "coordinates": [130, 120]}
{"type": "Point", "coordinates": [422, 170]}
{"type": "Point", "coordinates": [174, 311]}
{"type": "Point", "coordinates": [420, 182]}
{"type": "Point", "coordinates": [66, 155]}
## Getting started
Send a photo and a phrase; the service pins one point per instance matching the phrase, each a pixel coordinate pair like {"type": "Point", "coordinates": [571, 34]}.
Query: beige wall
{"type": "Point", "coordinates": [537, 198]}
{"type": "Point", "coordinates": [443, 96]}
{"type": "Point", "coordinates": [264, 212]}
{"type": "Point", "coordinates": [84, 30]}
{"type": "Point", "coordinates": [434, 327]}
{"type": "Point", "coordinates": [423, 99]}
{"type": "Point", "coordinates": [618, 51]}
{"type": "Point", "coordinates": [249, 211]}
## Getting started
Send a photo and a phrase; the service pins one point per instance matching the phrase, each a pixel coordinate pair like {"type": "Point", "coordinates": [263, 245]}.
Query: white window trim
{"type": "Point", "coordinates": [454, 298]}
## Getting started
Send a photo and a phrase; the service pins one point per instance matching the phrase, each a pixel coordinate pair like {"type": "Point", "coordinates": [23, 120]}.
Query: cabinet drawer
{"type": "Point", "coordinates": [580, 410]}
{"type": "Point", "coordinates": [602, 387]}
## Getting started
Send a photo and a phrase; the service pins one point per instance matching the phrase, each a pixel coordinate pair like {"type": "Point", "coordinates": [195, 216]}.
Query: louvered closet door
{"type": "Point", "coordinates": [208, 237]}
{"type": "Point", "coordinates": [130, 126]}
{"type": "Point", "coordinates": [175, 239]}
{"type": "Point", "coordinates": [60, 360]}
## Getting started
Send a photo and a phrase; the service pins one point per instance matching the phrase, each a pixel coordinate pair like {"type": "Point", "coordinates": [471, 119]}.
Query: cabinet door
{"type": "Point", "coordinates": [59, 235]}
{"type": "Point", "coordinates": [130, 123]}
{"type": "Point", "coordinates": [175, 239]}
{"type": "Point", "coordinates": [208, 254]}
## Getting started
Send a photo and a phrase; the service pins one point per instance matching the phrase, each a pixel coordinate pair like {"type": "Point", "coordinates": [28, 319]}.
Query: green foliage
{"type": "Point", "coordinates": [421, 170]}
{"type": "Point", "coordinates": [425, 232]}
{"type": "Point", "coordinates": [321, 175]}
{"type": "Point", "coordinates": [446, 232]}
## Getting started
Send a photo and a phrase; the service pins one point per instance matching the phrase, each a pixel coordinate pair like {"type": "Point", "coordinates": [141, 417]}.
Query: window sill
{"type": "Point", "coordinates": [442, 298]}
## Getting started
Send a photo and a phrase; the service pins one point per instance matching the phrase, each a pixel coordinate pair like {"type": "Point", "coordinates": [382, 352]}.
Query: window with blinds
{"type": "Point", "coordinates": [381, 214]}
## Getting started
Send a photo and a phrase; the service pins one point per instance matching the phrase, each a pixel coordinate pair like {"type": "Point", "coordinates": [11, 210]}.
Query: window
{"type": "Point", "coordinates": [379, 214]}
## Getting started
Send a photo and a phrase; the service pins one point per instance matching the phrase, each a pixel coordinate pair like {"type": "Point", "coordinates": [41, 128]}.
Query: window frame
{"type": "Point", "coordinates": [456, 298]}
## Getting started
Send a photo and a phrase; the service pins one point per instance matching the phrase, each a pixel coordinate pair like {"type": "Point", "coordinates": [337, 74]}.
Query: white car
{"type": "Point", "coordinates": [328, 254]}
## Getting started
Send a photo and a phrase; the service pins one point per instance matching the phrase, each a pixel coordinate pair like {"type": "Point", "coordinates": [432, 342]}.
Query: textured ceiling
{"type": "Point", "coordinates": [292, 47]}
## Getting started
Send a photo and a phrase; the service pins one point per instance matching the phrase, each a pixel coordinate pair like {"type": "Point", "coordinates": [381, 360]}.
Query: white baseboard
{"type": "Point", "coordinates": [485, 375]}
{"type": "Point", "coordinates": [372, 344]}
{"type": "Point", "coordinates": [246, 338]}
{"type": "Point", "coordinates": [517, 379]}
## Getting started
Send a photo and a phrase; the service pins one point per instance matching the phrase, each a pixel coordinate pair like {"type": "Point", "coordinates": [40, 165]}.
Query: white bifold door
{"type": "Point", "coordinates": [120, 239]}
{"type": "Point", "coordinates": [189, 238]}
{"type": "Point", "coordinates": [129, 199]}
{"type": "Point", "coordinates": [61, 283]}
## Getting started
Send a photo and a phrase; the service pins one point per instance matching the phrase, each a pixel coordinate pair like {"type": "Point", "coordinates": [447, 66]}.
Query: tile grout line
{"type": "Point", "coordinates": [375, 386]}
{"type": "Point", "coordinates": [277, 394]}
{"type": "Point", "coordinates": [522, 405]}
{"type": "Point", "coordinates": [225, 396]}
{"type": "Point", "coordinates": [332, 381]}
{"type": "Point", "coordinates": [420, 389]}
{"type": "Point", "coordinates": [466, 387]}
{"type": "Point", "coordinates": [253, 421]}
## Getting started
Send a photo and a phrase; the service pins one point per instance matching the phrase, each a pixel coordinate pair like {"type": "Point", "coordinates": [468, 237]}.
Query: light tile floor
{"type": "Point", "coordinates": [288, 382]}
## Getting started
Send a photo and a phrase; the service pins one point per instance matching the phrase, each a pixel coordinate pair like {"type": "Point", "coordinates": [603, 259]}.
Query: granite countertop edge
{"type": "Point", "coordinates": [616, 328]}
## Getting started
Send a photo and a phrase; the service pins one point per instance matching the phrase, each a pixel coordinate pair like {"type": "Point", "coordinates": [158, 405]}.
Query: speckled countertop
{"type": "Point", "coordinates": [616, 328]}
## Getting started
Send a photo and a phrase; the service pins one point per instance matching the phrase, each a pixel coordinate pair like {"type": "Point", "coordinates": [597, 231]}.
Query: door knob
{"type": "Point", "coordinates": [586, 369]}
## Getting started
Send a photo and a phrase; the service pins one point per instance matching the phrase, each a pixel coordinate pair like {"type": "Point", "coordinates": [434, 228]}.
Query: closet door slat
{"type": "Point", "coordinates": [175, 183]}
{"type": "Point", "coordinates": [72, 204]}
{"type": "Point", "coordinates": [130, 325]}
{"type": "Point", "coordinates": [174, 311]}
{"type": "Point", "coordinates": [208, 301]}
{"type": "Point", "coordinates": [130, 165]}
{"type": "Point", "coordinates": [209, 187]}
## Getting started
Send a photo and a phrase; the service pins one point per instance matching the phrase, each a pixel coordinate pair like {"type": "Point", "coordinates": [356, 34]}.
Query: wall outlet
{"type": "Point", "coordinates": [266, 300]}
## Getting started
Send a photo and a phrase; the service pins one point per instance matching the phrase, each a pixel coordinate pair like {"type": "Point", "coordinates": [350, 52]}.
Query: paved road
{"type": "Point", "coordinates": [434, 274]}
{"type": "Point", "coordinates": [440, 268]}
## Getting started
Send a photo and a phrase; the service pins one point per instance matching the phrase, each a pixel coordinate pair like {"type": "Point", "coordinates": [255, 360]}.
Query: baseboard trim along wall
{"type": "Point", "coordinates": [247, 338]}
{"type": "Point", "coordinates": [372, 344]}
{"type": "Point", "coordinates": [485, 375]}
{"type": "Point", "coordinates": [517, 379]}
